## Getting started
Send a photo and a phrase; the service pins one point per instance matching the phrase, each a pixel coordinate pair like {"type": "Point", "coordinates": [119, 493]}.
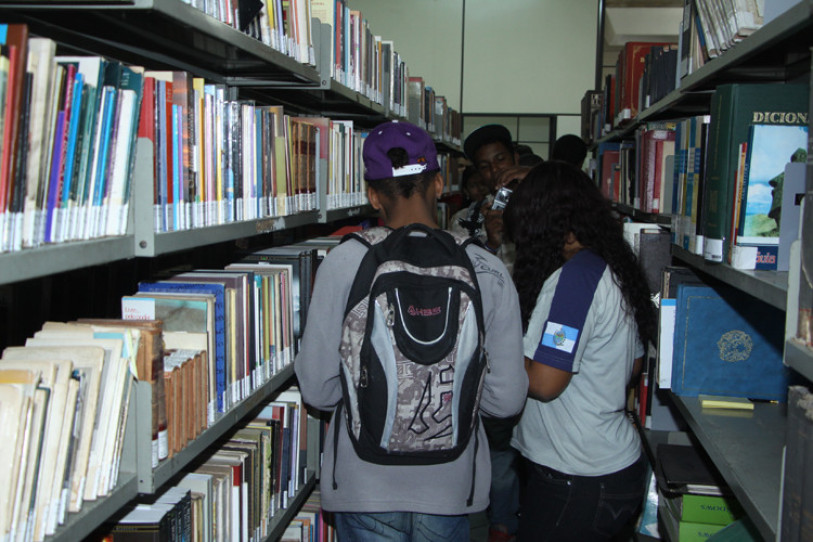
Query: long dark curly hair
{"type": "Point", "coordinates": [553, 200]}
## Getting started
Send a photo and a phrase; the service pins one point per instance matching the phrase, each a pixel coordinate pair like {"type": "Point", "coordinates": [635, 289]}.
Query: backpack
{"type": "Point", "coordinates": [412, 350]}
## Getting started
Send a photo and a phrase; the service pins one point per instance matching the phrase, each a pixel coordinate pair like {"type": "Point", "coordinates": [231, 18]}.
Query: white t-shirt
{"type": "Point", "coordinates": [580, 325]}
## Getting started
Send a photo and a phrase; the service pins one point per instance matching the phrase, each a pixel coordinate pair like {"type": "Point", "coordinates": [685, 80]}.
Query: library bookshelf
{"type": "Point", "coordinates": [748, 451]}
{"type": "Point", "coordinates": [174, 35]}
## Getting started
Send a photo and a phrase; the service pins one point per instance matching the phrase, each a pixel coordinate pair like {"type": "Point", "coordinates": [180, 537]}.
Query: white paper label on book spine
{"type": "Point", "coordinates": [154, 450]}
{"type": "Point", "coordinates": [6, 228]}
{"type": "Point", "coordinates": [699, 244]}
{"type": "Point", "coordinates": [713, 250]}
{"type": "Point", "coordinates": [163, 444]}
{"type": "Point", "coordinates": [210, 414]}
{"type": "Point", "coordinates": [156, 218]}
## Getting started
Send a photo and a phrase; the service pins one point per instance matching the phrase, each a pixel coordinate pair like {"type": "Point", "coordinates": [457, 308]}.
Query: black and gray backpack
{"type": "Point", "coordinates": [413, 358]}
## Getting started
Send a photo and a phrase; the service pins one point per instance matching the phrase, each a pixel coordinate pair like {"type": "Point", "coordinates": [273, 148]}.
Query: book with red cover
{"type": "Point", "coordinates": [15, 40]}
{"type": "Point", "coordinates": [629, 69]}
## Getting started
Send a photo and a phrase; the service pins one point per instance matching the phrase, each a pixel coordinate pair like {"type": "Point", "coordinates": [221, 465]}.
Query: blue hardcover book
{"type": "Point", "coordinates": [73, 137]}
{"type": "Point", "coordinates": [219, 291]}
{"type": "Point", "coordinates": [98, 183]}
{"type": "Point", "coordinates": [53, 184]}
{"type": "Point", "coordinates": [727, 345]}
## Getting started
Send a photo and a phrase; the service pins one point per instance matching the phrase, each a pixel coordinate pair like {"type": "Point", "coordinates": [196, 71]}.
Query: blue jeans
{"type": "Point", "coordinates": [567, 508]}
{"type": "Point", "coordinates": [504, 493]}
{"type": "Point", "coordinates": [400, 527]}
{"type": "Point", "coordinates": [505, 485]}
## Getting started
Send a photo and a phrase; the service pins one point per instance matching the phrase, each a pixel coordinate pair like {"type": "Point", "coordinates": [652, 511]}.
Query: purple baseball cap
{"type": "Point", "coordinates": [420, 149]}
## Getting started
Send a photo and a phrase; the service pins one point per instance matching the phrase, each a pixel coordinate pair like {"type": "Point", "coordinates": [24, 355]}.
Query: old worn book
{"type": "Point", "coordinates": [114, 378]}
{"type": "Point", "coordinates": [56, 375]}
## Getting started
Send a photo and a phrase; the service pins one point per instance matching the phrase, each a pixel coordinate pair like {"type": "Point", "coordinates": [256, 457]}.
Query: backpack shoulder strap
{"type": "Point", "coordinates": [370, 236]}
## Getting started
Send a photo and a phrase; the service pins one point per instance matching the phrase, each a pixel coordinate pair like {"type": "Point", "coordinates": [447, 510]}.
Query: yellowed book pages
{"type": "Point", "coordinates": [16, 403]}
{"type": "Point", "coordinates": [56, 374]}
{"type": "Point", "coordinates": [119, 355]}
{"type": "Point", "coordinates": [88, 363]}
{"type": "Point", "coordinates": [30, 464]}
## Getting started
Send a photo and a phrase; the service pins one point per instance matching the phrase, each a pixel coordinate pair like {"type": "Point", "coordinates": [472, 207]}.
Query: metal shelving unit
{"type": "Point", "coordinates": [637, 214]}
{"type": "Point", "coordinates": [171, 33]}
{"type": "Point", "coordinates": [50, 259]}
{"type": "Point", "coordinates": [799, 357]}
{"type": "Point", "coordinates": [768, 286]}
{"type": "Point", "coordinates": [150, 480]}
{"type": "Point", "coordinates": [746, 447]}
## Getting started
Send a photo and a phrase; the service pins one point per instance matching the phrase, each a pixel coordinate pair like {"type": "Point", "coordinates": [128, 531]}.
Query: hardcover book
{"type": "Point", "coordinates": [727, 345]}
{"type": "Point", "coordinates": [735, 107]}
{"type": "Point", "coordinates": [759, 209]}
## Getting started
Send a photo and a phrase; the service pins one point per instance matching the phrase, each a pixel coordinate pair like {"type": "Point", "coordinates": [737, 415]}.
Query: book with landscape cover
{"type": "Point", "coordinates": [756, 237]}
{"type": "Point", "coordinates": [734, 108]}
{"type": "Point", "coordinates": [223, 399]}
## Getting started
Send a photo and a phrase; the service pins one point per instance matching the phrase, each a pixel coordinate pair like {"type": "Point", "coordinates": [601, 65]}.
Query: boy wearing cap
{"type": "Point", "coordinates": [406, 502]}
{"type": "Point", "coordinates": [491, 150]}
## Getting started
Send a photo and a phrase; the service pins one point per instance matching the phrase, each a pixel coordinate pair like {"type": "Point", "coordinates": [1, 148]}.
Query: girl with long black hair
{"type": "Point", "coordinates": [586, 314]}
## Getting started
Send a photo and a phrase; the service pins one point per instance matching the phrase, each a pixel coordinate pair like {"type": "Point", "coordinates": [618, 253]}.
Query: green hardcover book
{"type": "Point", "coordinates": [678, 530]}
{"type": "Point", "coordinates": [708, 509]}
{"type": "Point", "coordinates": [734, 108]}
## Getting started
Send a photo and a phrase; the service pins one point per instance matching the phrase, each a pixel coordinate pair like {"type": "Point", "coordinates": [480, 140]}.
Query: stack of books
{"type": "Point", "coordinates": [693, 501]}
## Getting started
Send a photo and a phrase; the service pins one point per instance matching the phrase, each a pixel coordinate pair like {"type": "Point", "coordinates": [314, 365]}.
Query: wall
{"type": "Point", "coordinates": [520, 56]}
{"type": "Point", "coordinates": [528, 56]}
{"type": "Point", "coordinates": [427, 33]}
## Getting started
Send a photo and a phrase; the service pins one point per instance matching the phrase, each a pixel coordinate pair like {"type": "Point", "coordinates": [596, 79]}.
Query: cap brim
{"type": "Point", "coordinates": [484, 135]}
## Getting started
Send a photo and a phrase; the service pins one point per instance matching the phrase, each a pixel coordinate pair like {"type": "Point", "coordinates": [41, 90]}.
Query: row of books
{"type": "Point", "coordinates": [247, 319]}
{"type": "Point", "coordinates": [369, 64]}
{"type": "Point", "coordinates": [430, 111]}
{"type": "Point", "coordinates": [738, 205]}
{"type": "Point", "coordinates": [72, 124]}
{"type": "Point", "coordinates": [246, 481]}
{"type": "Point", "coordinates": [65, 397]}
{"type": "Point", "coordinates": [628, 98]}
{"type": "Point", "coordinates": [69, 127]}
{"type": "Point", "coordinates": [645, 72]}
{"type": "Point", "coordinates": [204, 340]}
{"type": "Point", "coordinates": [716, 26]}
{"type": "Point", "coordinates": [218, 159]}
{"type": "Point", "coordinates": [282, 25]}
{"type": "Point", "coordinates": [693, 502]}
{"type": "Point", "coordinates": [311, 524]}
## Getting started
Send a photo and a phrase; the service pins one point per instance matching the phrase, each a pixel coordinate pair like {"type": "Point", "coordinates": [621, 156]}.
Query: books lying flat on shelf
{"type": "Point", "coordinates": [725, 345]}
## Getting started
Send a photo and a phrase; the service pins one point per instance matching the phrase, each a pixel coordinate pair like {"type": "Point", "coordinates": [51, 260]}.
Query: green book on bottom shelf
{"type": "Point", "coordinates": [709, 509]}
{"type": "Point", "coordinates": [678, 530]}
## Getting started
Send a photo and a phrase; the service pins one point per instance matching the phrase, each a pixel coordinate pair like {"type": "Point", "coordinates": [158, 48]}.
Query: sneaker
{"type": "Point", "coordinates": [496, 534]}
